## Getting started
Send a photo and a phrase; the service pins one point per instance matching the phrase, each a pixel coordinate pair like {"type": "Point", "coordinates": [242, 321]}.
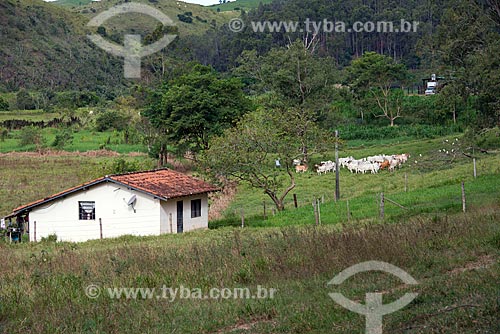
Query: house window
{"type": "Point", "coordinates": [195, 208]}
{"type": "Point", "coordinates": [86, 210]}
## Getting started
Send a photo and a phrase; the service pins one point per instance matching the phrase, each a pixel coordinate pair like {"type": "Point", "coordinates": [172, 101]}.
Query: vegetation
{"type": "Point", "coordinates": [453, 258]}
{"type": "Point", "coordinates": [197, 106]}
{"type": "Point", "coordinates": [240, 108]}
{"type": "Point", "coordinates": [252, 150]}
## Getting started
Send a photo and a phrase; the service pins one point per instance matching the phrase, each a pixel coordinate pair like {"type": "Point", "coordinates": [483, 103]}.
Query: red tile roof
{"type": "Point", "coordinates": [162, 183]}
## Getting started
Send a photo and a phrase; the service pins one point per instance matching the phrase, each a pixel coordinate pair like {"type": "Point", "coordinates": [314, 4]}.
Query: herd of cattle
{"type": "Point", "coordinates": [370, 164]}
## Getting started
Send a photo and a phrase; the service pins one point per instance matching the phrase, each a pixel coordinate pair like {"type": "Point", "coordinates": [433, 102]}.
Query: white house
{"type": "Point", "coordinates": [140, 203]}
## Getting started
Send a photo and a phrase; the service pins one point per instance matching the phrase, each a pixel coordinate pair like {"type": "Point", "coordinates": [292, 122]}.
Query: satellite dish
{"type": "Point", "coordinates": [132, 200]}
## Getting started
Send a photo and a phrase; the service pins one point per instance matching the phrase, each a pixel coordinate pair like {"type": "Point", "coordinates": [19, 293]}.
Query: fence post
{"type": "Point", "coordinates": [463, 197]}
{"type": "Point", "coordinates": [406, 182]}
{"type": "Point", "coordinates": [264, 204]}
{"type": "Point", "coordinates": [34, 230]}
{"type": "Point", "coordinates": [242, 218]}
{"type": "Point", "coordinates": [295, 200]}
{"type": "Point", "coordinates": [337, 169]}
{"type": "Point", "coordinates": [315, 203]}
{"type": "Point", "coordinates": [100, 226]}
{"type": "Point", "coordinates": [382, 204]}
{"type": "Point", "coordinates": [319, 210]}
{"type": "Point", "coordinates": [474, 162]}
{"type": "Point", "coordinates": [348, 212]}
{"type": "Point", "coordinates": [170, 221]}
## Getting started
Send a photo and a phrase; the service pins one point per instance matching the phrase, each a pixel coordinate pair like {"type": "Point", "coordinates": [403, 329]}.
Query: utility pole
{"type": "Point", "coordinates": [337, 179]}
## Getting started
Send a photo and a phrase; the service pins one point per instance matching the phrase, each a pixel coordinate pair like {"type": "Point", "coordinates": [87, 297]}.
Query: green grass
{"type": "Point", "coordinates": [454, 260]}
{"type": "Point", "coordinates": [433, 186]}
{"type": "Point", "coordinates": [144, 24]}
{"type": "Point", "coordinates": [28, 115]}
{"type": "Point", "coordinates": [241, 4]}
{"type": "Point", "coordinates": [83, 140]}
{"type": "Point", "coordinates": [453, 256]}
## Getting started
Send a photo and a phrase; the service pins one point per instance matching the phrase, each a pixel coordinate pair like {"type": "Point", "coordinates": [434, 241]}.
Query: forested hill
{"type": "Point", "coordinates": [43, 46]}
{"type": "Point", "coordinates": [414, 49]}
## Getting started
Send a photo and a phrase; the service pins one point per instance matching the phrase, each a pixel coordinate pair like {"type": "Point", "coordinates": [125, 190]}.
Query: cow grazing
{"type": "Point", "coordinates": [301, 168]}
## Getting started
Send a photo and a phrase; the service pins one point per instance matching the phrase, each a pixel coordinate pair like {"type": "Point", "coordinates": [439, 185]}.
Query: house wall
{"type": "Point", "coordinates": [151, 216]}
{"type": "Point", "coordinates": [190, 224]}
{"type": "Point", "coordinates": [61, 217]}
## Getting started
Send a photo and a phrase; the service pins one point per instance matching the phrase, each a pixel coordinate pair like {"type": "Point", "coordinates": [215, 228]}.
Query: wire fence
{"type": "Point", "coordinates": [323, 208]}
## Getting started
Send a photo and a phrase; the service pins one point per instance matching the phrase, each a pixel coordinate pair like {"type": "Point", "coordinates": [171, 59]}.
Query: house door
{"type": "Point", "coordinates": [180, 217]}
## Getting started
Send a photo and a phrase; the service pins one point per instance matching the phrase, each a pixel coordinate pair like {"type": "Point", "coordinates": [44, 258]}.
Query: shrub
{"type": "Point", "coordinates": [4, 105]}
{"type": "Point", "coordinates": [24, 101]}
{"type": "Point", "coordinates": [31, 135]}
{"type": "Point", "coordinates": [4, 133]}
{"type": "Point", "coordinates": [111, 120]}
{"type": "Point", "coordinates": [62, 138]}
{"type": "Point", "coordinates": [185, 18]}
{"type": "Point", "coordinates": [120, 165]}
{"type": "Point", "coordinates": [50, 238]}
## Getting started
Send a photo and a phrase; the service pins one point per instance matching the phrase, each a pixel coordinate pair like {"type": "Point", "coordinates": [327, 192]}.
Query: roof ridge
{"type": "Point", "coordinates": [142, 171]}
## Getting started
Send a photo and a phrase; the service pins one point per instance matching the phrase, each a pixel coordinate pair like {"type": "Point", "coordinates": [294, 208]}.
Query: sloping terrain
{"type": "Point", "coordinates": [45, 46]}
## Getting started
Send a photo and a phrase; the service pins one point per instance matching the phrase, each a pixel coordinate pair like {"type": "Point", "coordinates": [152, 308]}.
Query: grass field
{"type": "Point", "coordinates": [28, 115]}
{"type": "Point", "coordinates": [453, 256]}
{"type": "Point", "coordinates": [453, 259]}
{"type": "Point", "coordinates": [434, 185]}
{"type": "Point", "coordinates": [241, 4]}
{"type": "Point", "coordinates": [83, 140]}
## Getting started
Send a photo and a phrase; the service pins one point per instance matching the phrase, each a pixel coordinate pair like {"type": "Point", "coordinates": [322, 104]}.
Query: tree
{"type": "Point", "coordinates": [248, 152]}
{"type": "Point", "coordinates": [372, 77]}
{"type": "Point", "coordinates": [293, 77]}
{"type": "Point", "coordinates": [197, 105]}
{"type": "Point", "coordinates": [24, 101]}
{"type": "Point", "coordinates": [4, 105]}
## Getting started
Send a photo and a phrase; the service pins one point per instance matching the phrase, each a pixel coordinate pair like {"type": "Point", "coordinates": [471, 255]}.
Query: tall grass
{"type": "Point", "coordinates": [453, 259]}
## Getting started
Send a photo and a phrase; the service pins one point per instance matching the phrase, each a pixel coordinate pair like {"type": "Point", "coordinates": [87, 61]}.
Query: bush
{"type": "Point", "coordinates": [4, 105]}
{"type": "Point", "coordinates": [50, 238]}
{"type": "Point", "coordinates": [4, 133]}
{"type": "Point", "coordinates": [120, 166]}
{"type": "Point", "coordinates": [111, 120]}
{"type": "Point", "coordinates": [62, 138]}
{"type": "Point", "coordinates": [24, 101]}
{"type": "Point", "coordinates": [31, 135]}
{"type": "Point", "coordinates": [185, 18]}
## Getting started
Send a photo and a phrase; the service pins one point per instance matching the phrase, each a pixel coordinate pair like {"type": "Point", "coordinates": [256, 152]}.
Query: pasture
{"type": "Point", "coordinates": [433, 186]}
{"type": "Point", "coordinates": [454, 260]}
{"type": "Point", "coordinates": [452, 255]}
{"type": "Point", "coordinates": [82, 141]}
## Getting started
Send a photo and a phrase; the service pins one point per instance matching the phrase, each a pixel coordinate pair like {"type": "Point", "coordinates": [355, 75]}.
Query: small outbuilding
{"type": "Point", "coordinates": [140, 203]}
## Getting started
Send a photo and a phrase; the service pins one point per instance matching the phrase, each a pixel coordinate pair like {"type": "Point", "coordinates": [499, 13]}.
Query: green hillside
{"type": "Point", "coordinates": [45, 46]}
{"type": "Point", "coordinates": [238, 5]}
{"type": "Point", "coordinates": [202, 19]}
